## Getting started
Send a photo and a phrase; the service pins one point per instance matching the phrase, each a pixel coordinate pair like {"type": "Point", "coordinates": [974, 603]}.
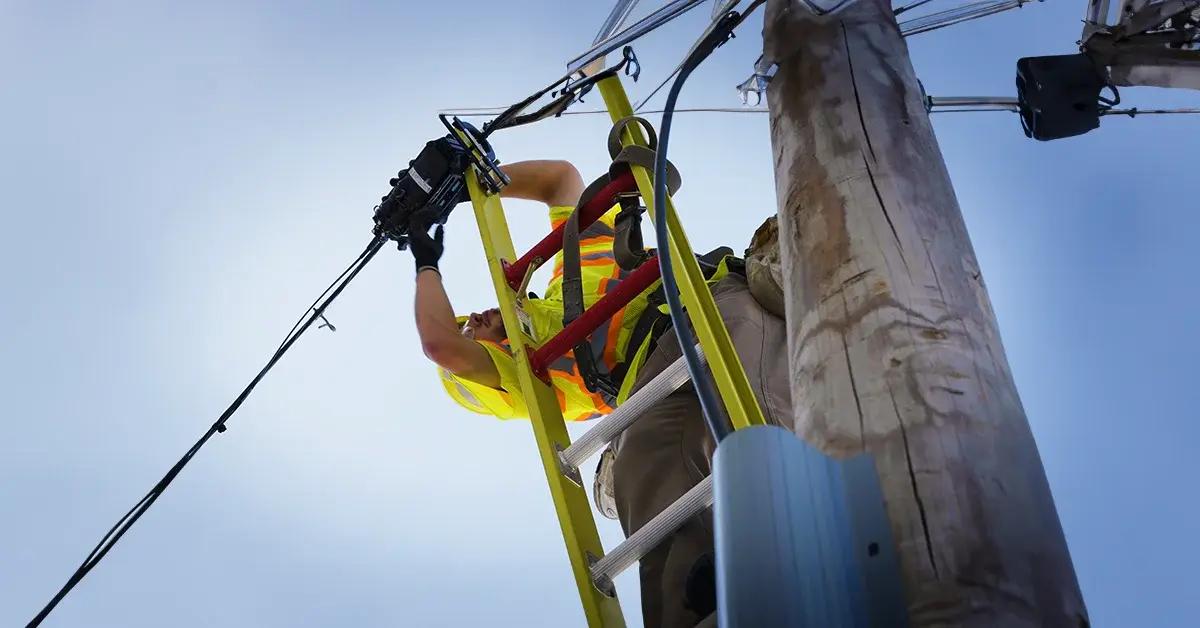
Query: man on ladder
{"type": "Point", "coordinates": [668, 450]}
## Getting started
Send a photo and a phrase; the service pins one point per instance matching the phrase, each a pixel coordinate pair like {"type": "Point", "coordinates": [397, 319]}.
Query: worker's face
{"type": "Point", "coordinates": [486, 325]}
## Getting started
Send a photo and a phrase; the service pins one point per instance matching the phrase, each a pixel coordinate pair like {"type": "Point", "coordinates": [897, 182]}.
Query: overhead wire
{"type": "Point", "coordinates": [719, 10]}
{"type": "Point", "coordinates": [313, 306]}
{"type": "Point", "coordinates": [638, 108]}
{"type": "Point", "coordinates": [958, 15]}
{"type": "Point", "coordinates": [1131, 112]}
{"type": "Point", "coordinates": [470, 113]}
{"type": "Point", "coordinates": [123, 524]}
{"type": "Point", "coordinates": [1134, 111]}
{"type": "Point", "coordinates": [909, 7]}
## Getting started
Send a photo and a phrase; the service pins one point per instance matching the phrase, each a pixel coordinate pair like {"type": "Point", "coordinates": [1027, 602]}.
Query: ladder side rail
{"type": "Point", "coordinates": [571, 503]}
{"type": "Point", "coordinates": [727, 369]}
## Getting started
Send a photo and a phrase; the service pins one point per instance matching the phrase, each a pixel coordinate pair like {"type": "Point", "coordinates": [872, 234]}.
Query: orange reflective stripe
{"type": "Point", "coordinates": [610, 342]}
{"type": "Point", "coordinates": [616, 274]}
{"type": "Point", "coordinates": [576, 378]}
{"type": "Point", "coordinates": [597, 239]}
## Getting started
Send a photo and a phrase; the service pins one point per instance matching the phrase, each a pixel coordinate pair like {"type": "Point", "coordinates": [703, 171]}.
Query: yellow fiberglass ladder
{"type": "Point", "coordinates": [592, 568]}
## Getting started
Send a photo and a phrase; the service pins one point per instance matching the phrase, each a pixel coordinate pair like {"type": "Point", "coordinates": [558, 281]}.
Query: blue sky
{"type": "Point", "coordinates": [179, 181]}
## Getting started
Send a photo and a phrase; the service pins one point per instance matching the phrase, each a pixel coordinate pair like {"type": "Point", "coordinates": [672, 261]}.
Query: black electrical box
{"type": "Point", "coordinates": [1059, 96]}
{"type": "Point", "coordinates": [433, 179]}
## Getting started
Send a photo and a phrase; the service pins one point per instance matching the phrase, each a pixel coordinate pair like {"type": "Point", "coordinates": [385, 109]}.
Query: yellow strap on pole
{"type": "Point", "coordinates": [570, 501]}
{"type": "Point", "coordinates": [727, 369]}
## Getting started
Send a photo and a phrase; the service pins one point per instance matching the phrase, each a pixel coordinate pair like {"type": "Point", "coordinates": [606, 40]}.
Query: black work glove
{"type": "Point", "coordinates": [426, 251]}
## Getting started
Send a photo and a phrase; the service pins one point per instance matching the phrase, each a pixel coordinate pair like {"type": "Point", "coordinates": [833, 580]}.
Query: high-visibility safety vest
{"type": "Point", "coordinates": [600, 273]}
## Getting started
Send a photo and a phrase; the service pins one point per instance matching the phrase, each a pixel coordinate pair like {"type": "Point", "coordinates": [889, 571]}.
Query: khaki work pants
{"type": "Point", "coordinates": [669, 450]}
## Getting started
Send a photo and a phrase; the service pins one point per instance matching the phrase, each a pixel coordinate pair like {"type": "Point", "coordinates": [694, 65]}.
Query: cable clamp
{"type": "Point", "coordinates": [633, 69]}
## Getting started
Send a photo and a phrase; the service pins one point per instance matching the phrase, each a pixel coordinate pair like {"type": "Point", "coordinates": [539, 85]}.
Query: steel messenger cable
{"type": "Point", "coordinates": [314, 312]}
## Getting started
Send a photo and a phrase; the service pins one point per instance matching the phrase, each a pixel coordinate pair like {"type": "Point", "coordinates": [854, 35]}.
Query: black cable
{"type": "Point", "coordinates": [467, 113]}
{"type": "Point", "coordinates": [516, 108]}
{"type": "Point", "coordinates": [123, 524]}
{"type": "Point", "coordinates": [317, 300]}
{"type": "Point", "coordinates": [571, 92]}
{"type": "Point", "coordinates": [710, 401]}
{"type": "Point", "coordinates": [638, 109]}
{"type": "Point", "coordinates": [909, 7]}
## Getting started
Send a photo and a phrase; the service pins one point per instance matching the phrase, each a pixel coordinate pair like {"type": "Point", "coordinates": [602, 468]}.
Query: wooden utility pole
{"type": "Point", "coordinates": [893, 346]}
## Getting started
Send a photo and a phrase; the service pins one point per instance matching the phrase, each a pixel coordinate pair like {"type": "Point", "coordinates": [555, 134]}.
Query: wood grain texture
{"type": "Point", "coordinates": [893, 345]}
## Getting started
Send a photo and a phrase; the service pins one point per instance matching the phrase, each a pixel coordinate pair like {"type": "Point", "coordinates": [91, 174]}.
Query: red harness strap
{"type": "Point", "coordinates": [595, 207]}
{"type": "Point", "coordinates": [593, 317]}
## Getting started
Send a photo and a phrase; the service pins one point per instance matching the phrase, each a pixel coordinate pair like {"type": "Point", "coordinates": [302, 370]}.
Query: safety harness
{"type": "Point", "coordinates": [629, 252]}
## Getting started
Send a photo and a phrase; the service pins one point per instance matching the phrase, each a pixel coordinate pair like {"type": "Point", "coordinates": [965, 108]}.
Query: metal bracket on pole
{"type": "Point", "coordinates": [971, 103]}
{"type": "Point", "coordinates": [757, 83]}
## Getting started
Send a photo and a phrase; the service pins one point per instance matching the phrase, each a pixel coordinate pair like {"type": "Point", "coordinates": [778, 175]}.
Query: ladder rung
{"type": "Point", "coordinates": [663, 384]}
{"type": "Point", "coordinates": [551, 244]}
{"type": "Point", "coordinates": [612, 302]}
{"type": "Point", "coordinates": [650, 535]}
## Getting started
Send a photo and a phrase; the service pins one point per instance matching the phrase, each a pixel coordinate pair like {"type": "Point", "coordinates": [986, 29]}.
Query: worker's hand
{"type": "Point", "coordinates": [426, 250]}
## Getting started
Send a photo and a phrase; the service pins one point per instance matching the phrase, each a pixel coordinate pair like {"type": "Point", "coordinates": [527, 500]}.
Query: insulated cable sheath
{"type": "Point", "coordinates": [710, 401]}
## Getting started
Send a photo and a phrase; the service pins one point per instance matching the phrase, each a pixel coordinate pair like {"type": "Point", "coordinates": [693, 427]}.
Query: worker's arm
{"type": "Point", "coordinates": [441, 338]}
{"type": "Point", "coordinates": [553, 182]}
